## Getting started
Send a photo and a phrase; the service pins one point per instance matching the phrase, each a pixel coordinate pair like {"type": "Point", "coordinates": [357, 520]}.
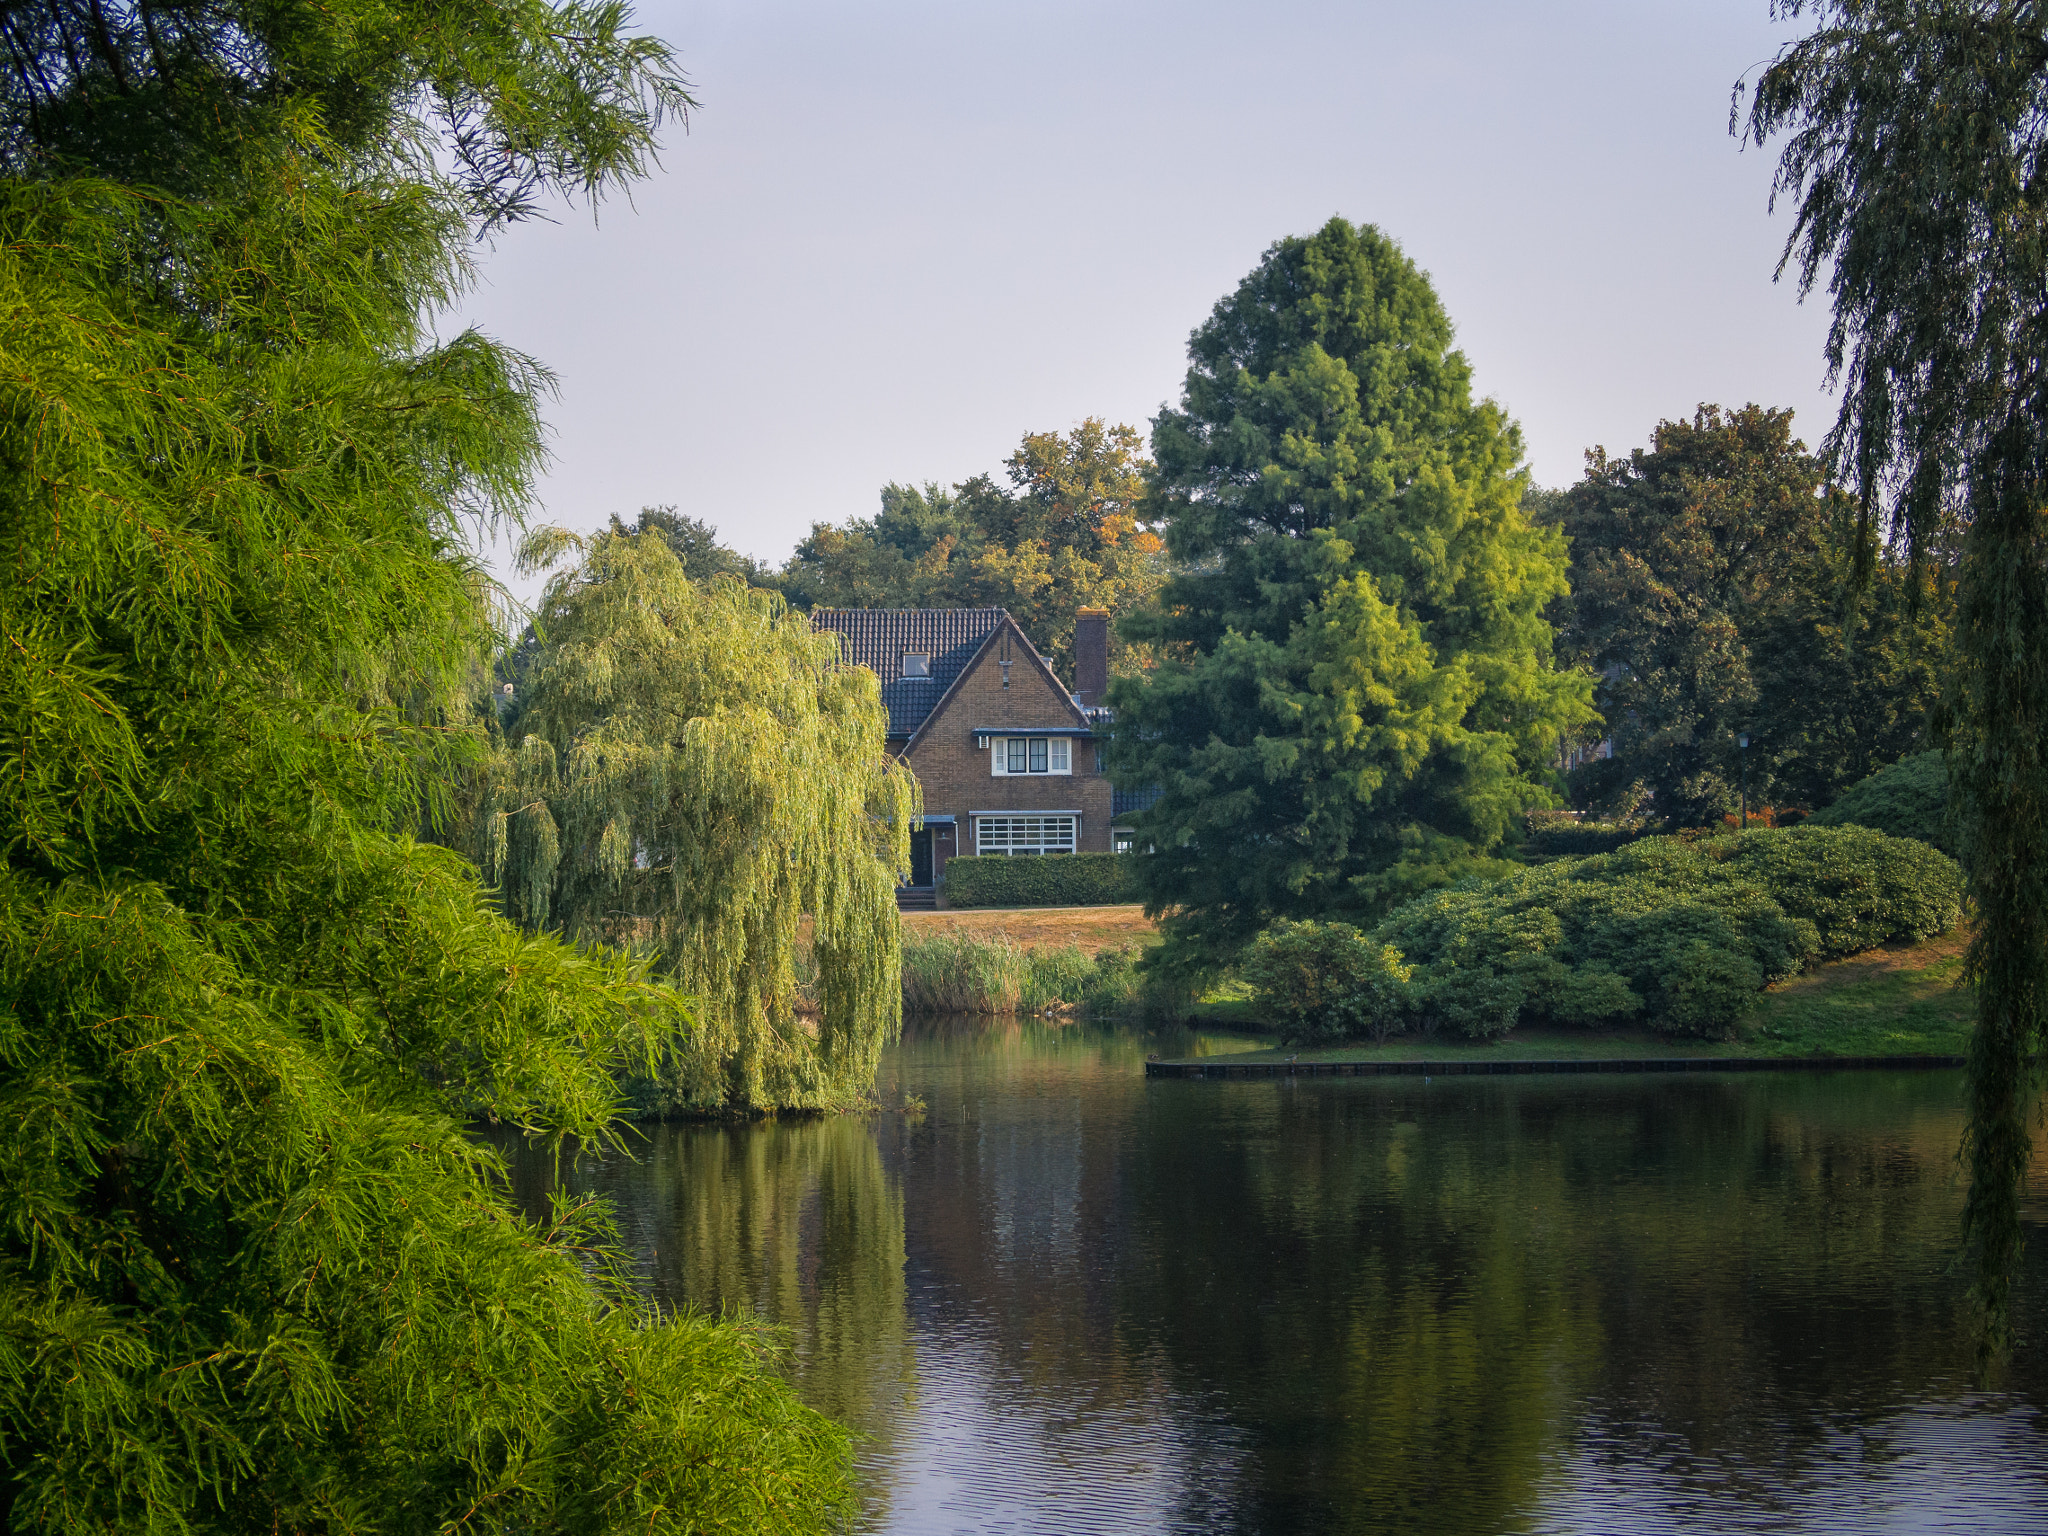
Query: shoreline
{"type": "Point", "coordinates": [1229, 1067]}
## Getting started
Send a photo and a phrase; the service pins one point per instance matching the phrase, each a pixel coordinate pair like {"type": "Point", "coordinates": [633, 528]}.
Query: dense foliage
{"type": "Point", "coordinates": [1908, 799]}
{"type": "Point", "coordinates": [1357, 692]}
{"type": "Point", "coordinates": [1319, 982]}
{"type": "Point", "coordinates": [693, 771]}
{"type": "Point", "coordinates": [1549, 837]}
{"type": "Point", "coordinates": [1914, 143]}
{"type": "Point", "coordinates": [1675, 933]}
{"type": "Point", "coordinates": [253, 1275]}
{"type": "Point", "coordinates": [1711, 594]}
{"type": "Point", "coordinates": [1067, 880]}
{"type": "Point", "coordinates": [1063, 534]}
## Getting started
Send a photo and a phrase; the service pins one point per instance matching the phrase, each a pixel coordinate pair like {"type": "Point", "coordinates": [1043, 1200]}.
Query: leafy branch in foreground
{"type": "Point", "coordinates": [253, 1275]}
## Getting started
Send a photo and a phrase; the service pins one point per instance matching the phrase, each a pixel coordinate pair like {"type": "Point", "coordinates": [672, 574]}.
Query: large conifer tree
{"type": "Point", "coordinates": [1362, 687]}
{"type": "Point", "coordinates": [253, 1276]}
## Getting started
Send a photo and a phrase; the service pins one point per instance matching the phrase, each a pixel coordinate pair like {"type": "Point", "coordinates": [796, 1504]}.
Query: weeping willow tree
{"type": "Point", "coordinates": [253, 1275]}
{"type": "Point", "coordinates": [696, 773]}
{"type": "Point", "coordinates": [1916, 150]}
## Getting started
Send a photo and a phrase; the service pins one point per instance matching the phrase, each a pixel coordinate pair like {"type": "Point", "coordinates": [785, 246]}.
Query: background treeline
{"type": "Point", "coordinates": [1064, 528]}
{"type": "Point", "coordinates": [1721, 585]}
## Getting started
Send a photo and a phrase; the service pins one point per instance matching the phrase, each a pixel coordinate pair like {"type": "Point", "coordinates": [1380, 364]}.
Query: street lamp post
{"type": "Point", "coordinates": [1742, 741]}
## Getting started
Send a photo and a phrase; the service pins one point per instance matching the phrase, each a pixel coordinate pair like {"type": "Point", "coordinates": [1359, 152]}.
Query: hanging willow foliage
{"type": "Point", "coordinates": [696, 773]}
{"type": "Point", "coordinates": [1916, 148]}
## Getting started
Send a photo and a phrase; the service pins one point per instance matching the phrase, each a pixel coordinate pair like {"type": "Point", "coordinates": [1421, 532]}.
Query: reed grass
{"type": "Point", "coordinates": [963, 973]}
{"type": "Point", "coordinates": [989, 973]}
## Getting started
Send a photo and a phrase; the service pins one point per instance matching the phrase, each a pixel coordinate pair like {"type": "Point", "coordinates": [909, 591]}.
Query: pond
{"type": "Point", "coordinates": [1063, 1298]}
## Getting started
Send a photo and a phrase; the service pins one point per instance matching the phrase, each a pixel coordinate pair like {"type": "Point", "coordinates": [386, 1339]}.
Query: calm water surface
{"type": "Point", "coordinates": [1067, 1299]}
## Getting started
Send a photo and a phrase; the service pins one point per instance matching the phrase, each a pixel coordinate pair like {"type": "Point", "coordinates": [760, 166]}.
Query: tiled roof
{"type": "Point", "coordinates": [1125, 802]}
{"type": "Point", "coordinates": [876, 638]}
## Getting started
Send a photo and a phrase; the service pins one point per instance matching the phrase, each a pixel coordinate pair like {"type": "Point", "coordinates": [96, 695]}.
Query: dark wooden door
{"type": "Point", "coordinates": [921, 856]}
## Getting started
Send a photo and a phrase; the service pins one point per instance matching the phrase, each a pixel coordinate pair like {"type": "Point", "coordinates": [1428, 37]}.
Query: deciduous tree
{"type": "Point", "coordinates": [693, 771]}
{"type": "Point", "coordinates": [1711, 596]}
{"type": "Point", "coordinates": [1066, 534]}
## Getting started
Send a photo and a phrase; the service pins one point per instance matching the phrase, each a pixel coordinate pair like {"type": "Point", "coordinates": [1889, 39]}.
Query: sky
{"type": "Point", "coordinates": [895, 236]}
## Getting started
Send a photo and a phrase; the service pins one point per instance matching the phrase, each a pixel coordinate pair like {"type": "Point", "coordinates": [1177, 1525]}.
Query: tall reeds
{"type": "Point", "coordinates": [991, 974]}
{"type": "Point", "coordinates": [962, 973]}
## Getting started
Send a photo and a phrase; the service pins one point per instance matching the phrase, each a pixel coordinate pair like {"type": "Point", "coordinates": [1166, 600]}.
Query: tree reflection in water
{"type": "Point", "coordinates": [1068, 1295]}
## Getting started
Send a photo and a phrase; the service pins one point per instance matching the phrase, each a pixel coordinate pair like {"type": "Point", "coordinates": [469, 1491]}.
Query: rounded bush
{"type": "Point", "coordinates": [1678, 933]}
{"type": "Point", "coordinates": [1322, 982]}
{"type": "Point", "coordinates": [1908, 799]}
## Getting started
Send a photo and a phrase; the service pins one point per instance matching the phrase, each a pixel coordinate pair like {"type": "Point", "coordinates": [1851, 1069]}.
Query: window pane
{"type": "Point", "coordinates": [1025, 835]}
{"type": "Point", "coordinates": [1016, 754]}
{"type": "Point", "coordinates": [1038, 754]}
{"type": "Point", "coordinates": [1059, 754]}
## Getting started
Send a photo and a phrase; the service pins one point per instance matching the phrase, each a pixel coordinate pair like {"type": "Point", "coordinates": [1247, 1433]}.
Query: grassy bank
{"type": "Point", "coordinates": [1901, 1001]}
{"type": "Point", "coordinates": [1089, 929]}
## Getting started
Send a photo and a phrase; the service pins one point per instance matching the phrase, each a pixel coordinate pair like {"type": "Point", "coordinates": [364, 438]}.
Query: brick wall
{"type": "Point", "coordinates": [955, 774]}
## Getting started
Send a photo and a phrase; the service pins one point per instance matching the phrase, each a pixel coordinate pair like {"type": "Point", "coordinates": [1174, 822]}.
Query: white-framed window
{"type": "Point", "coordinates": [1031, 754]}
{"type": "Point", "coordinates": [1026, 834]}
{"type": "Point", "coordinates": [917, 664]}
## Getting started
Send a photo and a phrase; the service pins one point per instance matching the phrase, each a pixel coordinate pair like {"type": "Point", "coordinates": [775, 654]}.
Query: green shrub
{"type": "Point", "coordinates": [1056, 880]}
{"type": "Point", "coordinates": [1318, 982]}
{"type": "Point", "coordinates": [1908, 799]}
{"type": "Point", "coordinates": [1676, 932]}
{"type": "Point", "coordinates": [1578, 839]}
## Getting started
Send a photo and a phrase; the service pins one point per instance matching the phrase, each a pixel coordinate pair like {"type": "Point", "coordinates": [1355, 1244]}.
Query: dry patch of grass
{"type": "Point", "coordinates": [1089, 929]}
{"type": "Point", "coordinates": [1929, 967]}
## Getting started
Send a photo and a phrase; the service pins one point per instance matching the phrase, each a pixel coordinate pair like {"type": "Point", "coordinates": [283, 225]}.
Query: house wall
{"type": "Point", "coordinates": [955, 774]}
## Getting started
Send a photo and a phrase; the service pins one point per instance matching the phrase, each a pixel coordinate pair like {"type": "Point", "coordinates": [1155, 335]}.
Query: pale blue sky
{"type": "Point", "coordinates": [900, 235]}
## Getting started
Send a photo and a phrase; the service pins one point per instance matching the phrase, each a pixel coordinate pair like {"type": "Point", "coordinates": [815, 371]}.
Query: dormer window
{"type": "Point", "coordinates": [917, 664]}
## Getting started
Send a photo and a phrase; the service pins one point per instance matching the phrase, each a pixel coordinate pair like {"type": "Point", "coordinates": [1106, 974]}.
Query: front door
{"type": "Point", "coordinates": [921, 856]}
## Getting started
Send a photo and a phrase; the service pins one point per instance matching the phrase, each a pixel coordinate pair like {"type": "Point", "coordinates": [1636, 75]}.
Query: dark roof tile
{"type": "Point", "coordinates": [876, 638]}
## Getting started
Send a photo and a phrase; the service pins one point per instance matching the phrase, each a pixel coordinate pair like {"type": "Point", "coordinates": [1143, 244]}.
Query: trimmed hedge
{"type": "Point", "coordinates": [1908, 799]}
{"type": "Point", "coordinates": [1051, 880]}
{"type": "Point", "coordinates": [1677, 933]}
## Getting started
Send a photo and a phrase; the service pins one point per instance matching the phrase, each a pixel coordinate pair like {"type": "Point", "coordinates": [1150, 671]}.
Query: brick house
{"type": "Point", "coordinates": [1005, 753]}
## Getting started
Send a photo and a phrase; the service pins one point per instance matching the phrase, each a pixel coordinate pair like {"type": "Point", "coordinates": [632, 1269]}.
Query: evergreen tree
{"type": "Point", "coordinates": [253, 1275]}
{"type": "Point", "coordinates": [1362, 697]}
{"type": "Point", "coordinates": [694, 772]}
{"type": "Point", "coordinates": [1915, 139]}
{"type": "Point", "coordinates": [1709, 593]}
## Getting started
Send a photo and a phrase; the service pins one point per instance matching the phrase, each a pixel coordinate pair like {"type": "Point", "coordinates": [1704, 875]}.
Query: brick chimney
{"type": "Point", "coordinates": [1091, 656]}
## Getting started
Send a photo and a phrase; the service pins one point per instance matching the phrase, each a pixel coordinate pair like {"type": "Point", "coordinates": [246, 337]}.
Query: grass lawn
{"type": "Point", "coordinates": [1092, 928]}
{"type": "Point", "coordinates": [1889, 1002]}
